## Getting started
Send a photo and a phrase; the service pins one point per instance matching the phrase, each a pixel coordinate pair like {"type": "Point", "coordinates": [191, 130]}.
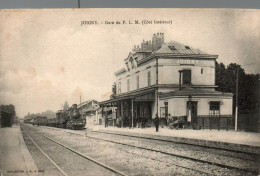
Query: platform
{"type": "Point", "coordinates": [15, 157]}
{"type": "Point", "coordinates": [237, 141]}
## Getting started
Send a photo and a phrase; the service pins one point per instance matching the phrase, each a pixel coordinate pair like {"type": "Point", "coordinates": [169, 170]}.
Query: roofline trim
{"type": "Point", "coordinates": [198, 56]}
{"type": "Point", "coordinates": [196, 96]}
{"type": "Point", "coordinates": [122, 70]}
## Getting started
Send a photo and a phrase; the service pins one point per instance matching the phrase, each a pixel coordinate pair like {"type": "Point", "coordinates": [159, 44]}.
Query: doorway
{"type": "Point", "coordinates": [192, 111]}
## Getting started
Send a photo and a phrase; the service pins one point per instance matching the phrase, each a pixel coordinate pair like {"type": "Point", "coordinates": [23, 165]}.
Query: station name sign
{"type": "Point", "coordinates": [187, 61]}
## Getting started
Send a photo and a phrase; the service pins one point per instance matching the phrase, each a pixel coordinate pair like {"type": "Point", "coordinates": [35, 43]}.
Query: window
{"type": "Point", "coordinates": [137, 82]}
{"type": "Point", "coordinates": [186, 76]}
{"type": "Point", "coordinates": [201, 71]}
{"type": "Point", "coordinates": [128, 85]}
{"type": "Point", "coordinates": [119, 88]}
{"type": "Point", "coordinates": [132, 63]}
{"type": "Point", "coordinates": [172, 48]}
{"type": "Point", "coordinates": [214, 108]}
{"type": "Point", "coordinates": [187, 47]}
{"type": "Point", "coordinates": [166, 109]}
{"type": "Point", "coordinates": [149, 78]}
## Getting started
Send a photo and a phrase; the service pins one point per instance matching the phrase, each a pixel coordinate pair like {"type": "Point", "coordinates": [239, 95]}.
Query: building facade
{"type": "Point", "coordinates": [168, 79]}
{"type": "Point", "coordinates": [88, 111]}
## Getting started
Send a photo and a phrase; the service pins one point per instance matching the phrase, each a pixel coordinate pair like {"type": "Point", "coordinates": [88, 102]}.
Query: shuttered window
{"type": "Point", "coordinates": [186, 76]}
{"type": "Point", "coordinates": [137, 82]}
{"type": "Point", "coordinates": [119, 88]}
{"type": "Point", "coordinates": [149, 78]}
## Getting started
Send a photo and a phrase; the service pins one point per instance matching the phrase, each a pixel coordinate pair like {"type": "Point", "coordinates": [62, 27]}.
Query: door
{"type": "Point", "coordinates": [192, 111]}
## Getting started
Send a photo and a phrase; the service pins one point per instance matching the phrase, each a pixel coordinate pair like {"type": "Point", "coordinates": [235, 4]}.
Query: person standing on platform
{"type": "Point", "coordinates": [156, 122]}
{"type": "Point", "coordinates": [106, 122]}
{"type": "Point", "coordinates": [130, 122]}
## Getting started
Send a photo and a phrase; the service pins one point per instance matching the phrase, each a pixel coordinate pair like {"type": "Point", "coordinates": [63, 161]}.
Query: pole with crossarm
{"type": "Point", "coordinates": [236, 102]}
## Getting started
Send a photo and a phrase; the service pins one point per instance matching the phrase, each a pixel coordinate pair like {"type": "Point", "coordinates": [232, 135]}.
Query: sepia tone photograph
{"type": "Point", "coordinates": [129, 92]}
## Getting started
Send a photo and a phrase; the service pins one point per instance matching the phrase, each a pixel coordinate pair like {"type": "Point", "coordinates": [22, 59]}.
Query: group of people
{"type": "Point", "coordinates": [156, 122]}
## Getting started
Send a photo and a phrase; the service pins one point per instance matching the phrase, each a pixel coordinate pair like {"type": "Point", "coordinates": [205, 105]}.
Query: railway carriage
{"type": "Point", "coordinates": [40, 121]}
{"type": "Point", "coordinates": [27, 121]}
{"type": "Point", "coordinates": [52, 122]}
{"type": "Point", "coordinates": [62, 118]}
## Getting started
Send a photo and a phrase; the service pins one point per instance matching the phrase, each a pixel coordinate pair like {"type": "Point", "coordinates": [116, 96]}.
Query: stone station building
{"type": "Point", "coordinates": [169, 79]}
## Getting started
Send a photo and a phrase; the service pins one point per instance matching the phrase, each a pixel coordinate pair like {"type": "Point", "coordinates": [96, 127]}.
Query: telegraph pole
{"type": "Point", "coordinates": [79, 3]}
{"type": "Point", "coordinates": [236, 102]}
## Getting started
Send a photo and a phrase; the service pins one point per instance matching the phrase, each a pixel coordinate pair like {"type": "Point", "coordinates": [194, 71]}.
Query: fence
{"type": "Point", "coordinates": [249, 122]}
{"type": "Point", "coordinates": [215, 122]}
{"type": "Point", "coordinates": [245, 122]}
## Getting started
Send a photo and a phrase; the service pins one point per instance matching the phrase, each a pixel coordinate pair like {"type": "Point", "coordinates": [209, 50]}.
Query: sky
{"type": "Point", "coordinates": [47, 57]}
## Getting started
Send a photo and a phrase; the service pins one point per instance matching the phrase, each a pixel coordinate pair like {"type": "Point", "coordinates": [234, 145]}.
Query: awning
{"type": "Point", "coordinates": [131, 95]}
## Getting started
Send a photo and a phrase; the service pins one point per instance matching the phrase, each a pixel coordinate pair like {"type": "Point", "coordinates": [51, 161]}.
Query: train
{"type": "Point", "coordinates": [68, 119]}
{"type": "Point", "coordinates": [39, 120]}
{"type": "Point", "coordinates": [75, 121]}
{"type": "Point", "coordinates": [6, 118]}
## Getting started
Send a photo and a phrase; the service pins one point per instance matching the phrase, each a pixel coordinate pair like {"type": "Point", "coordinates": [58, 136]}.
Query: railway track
{"type": "Point", "coordinates": [156, 139]}
{"type": "Point", "coordinates": [253, 157]}
{"type": "Point", "coordinates": [242, 170]}
{"type": "Point", "coordinates": [112, 171]}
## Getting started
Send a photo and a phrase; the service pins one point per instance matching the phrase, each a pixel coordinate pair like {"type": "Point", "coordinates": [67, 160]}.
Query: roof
{"type": "Point", "coordinates": [91, 109]}
{"type": "Point", "coordinates": [85, 102]}
{"type": "Point", "coordinates": [174, 47]}
{"type": "Point", "coordinates": [129, 95]}
{"type": "Point", "coordinates": [195, 92]}
{"type": "Point", "coordinates": [122, 70]}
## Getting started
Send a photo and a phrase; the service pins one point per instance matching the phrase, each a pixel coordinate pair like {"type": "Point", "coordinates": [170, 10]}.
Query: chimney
{"type": "Point", "coordinates": [157, 41]}
{"type": "Point", "coordinates": [134, 49]}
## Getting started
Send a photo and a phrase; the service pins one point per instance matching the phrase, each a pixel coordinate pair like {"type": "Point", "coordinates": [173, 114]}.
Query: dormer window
{"type": "Point", "coordinates": [132, 63]}
{"type": "Point", "coordinates": [173, 48]}
{"type": "Point", "coordinates": [187, 47]}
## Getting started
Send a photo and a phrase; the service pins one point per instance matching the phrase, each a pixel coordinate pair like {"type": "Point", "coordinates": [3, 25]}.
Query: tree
{"type": "Point", "coordinates": [114, 88]}
{"type": "Point", "coordinates": [248, 86]}
{"type": "Point", "coordinates": [113, 95]}
{"type": "Point", "coordinates": [9, 108]}
{"type": "Point", "coordinates": [65, 106]}
{"type": "Point", "coordinates": [220, 77]}
{"type": "Point", "coordinates": [49, 114]}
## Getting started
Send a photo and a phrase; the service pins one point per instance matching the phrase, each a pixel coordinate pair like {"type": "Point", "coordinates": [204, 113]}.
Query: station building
{"type": "Point", "coordinates": [168, 79]}
{"type": "Point", "coordinates": [89, 111]}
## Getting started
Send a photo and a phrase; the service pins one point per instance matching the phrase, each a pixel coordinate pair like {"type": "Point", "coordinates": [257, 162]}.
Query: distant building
{"type": "Point", "coordinates": [88, 111]}
{"type": "Point", "coordinates": [167, 78]}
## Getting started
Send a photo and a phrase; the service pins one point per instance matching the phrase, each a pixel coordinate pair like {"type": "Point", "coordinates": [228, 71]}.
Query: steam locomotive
{"type": "Point", "coordinates": [75, 121]}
